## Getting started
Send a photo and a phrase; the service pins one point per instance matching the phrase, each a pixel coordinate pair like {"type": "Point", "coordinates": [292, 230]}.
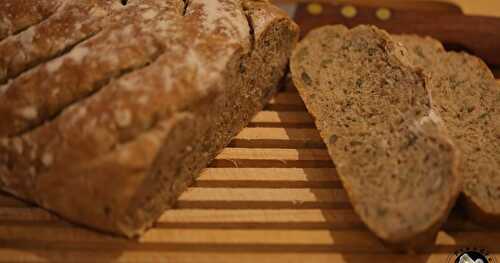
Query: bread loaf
{"type": "Point", "coordinates": [110, 111]}
{"type": "Point", "coordinates": [374, 113]}
{"type": "Point", "coordinates": [467, 97]}
{"type": "Point", "coordinates": [19, 15]}
{"type": "Point", "coordinates": [53, 53]}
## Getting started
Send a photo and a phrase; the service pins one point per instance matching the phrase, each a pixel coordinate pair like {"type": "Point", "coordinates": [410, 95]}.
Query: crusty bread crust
{"type": "Point", "coordinates": [19, 15]}
{"type": "Point", "coordinates": [467, 96]}
{"type": "Point", "coordinates": [170, 83]}
{"type": "Point", "coordinates": [374, 113]}
{"type": "Point", "coordinates": [78, 34]}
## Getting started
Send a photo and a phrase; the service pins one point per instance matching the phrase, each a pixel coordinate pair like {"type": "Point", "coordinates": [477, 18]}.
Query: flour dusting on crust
{"type": "Point", "coordinates": [26, 38]}
{"type": "Point", "coordinates": [54, 65]}
{"type": "Point", "coordinates": [224, 17]}
{"type": "Point", "coordinates": [78, 54]}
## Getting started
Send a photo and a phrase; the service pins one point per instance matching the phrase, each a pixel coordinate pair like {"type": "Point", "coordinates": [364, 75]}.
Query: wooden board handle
{"type": "Point", "coordinates": [476, 34]}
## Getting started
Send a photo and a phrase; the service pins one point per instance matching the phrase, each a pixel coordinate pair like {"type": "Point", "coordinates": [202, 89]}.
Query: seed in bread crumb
{"type": "Point", "coordinates": [437, 183]}
{"type": "Point", "coordinates": [47, 159]}
{"type": "Point", "coordinates": [359, 83]}
{"type": "Point", "coordinates": [305, 77]}
{"type": "Point", "coordinates": [29, 113]}
{"type": "Point", "coordinates": [326, 62]}
{"type": "Point", "coordinates": [483, 115]}
{"type": "Point", "coordinates": [333, 139]}
{"type": "Point", "coordinates": [381, 211]}
{"type": "Point", "coordinates": [496, 131]}
{"type": "Point", "coordinates": [123, 118]}
{"type": "Point", "coordinates": [355, 143]}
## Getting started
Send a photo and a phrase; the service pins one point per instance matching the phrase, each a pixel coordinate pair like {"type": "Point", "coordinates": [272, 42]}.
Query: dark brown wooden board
{"type": "Point", "coordinates": [477, 35]}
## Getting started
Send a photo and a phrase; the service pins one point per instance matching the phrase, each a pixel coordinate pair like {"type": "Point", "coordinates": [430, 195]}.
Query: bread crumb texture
{"type": "Point", "coordinates": [373, 110]}
{"type": "Point", "coordinates": [465, 94]}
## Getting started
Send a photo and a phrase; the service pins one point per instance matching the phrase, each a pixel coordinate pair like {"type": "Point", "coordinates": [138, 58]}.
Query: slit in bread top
{"type": "Point", "coordinates": [128, 69]}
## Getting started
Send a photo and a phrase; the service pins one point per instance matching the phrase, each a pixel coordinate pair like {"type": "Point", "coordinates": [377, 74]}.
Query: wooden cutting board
{"type": "Point", "coordinates": [271, 196]}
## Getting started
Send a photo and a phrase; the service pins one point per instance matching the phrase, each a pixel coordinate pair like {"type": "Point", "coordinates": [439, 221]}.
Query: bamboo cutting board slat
{"type": "Point", "coordinates": [272, 196]}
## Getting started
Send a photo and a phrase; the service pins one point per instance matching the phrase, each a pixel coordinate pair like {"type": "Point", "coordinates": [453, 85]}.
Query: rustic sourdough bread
{"type": "Point", "coordinates": [465, 94]}
{"type": "Point", "coordinates": [107, 126]}
{"type": "Point", "coordinates": [374, 114]}
{"type": "Point", "coordinates": [21, 14]}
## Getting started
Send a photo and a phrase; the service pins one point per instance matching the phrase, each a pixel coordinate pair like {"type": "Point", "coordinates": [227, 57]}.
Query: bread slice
{"type": "Point", "coordinates": [373, 111]}
{"type": "Point", "coordinates": [130, 116]}
{"type": "Point", "coordinates": [467, 97]}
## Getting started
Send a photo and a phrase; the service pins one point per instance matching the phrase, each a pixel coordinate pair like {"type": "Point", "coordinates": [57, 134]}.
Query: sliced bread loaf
{"type": "Point", "coordinates": [374, 113]}
{"type": "Point", "coordinates": [108, 128]}
{"type": "Point", "coordinates": [465, 94]}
